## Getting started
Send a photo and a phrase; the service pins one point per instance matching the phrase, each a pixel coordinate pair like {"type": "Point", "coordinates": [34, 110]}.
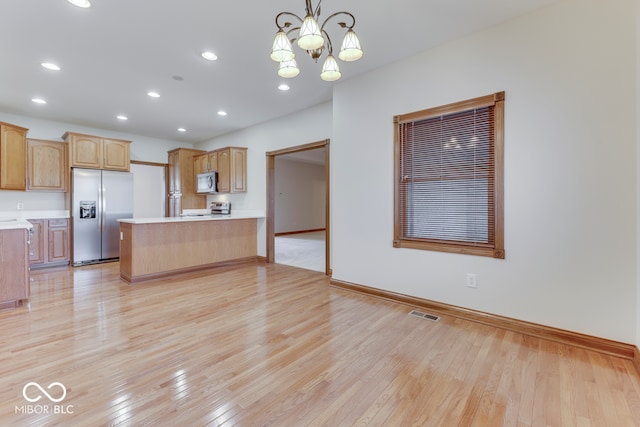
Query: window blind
{"type": "Point", "coordinates": [447, 177]}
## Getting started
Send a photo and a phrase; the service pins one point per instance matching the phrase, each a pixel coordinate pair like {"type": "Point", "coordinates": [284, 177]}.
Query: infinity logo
{"type": "Point", "coordinates": [43, 391]}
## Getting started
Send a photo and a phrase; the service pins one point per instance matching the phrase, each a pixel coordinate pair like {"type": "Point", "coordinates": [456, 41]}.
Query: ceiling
{"type": "Point", "coordinates": [116, 51]}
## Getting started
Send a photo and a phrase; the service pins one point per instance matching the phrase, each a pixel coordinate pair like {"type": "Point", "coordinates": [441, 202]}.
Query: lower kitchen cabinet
{"type": "Point", "coordinates": [14, 280]}
{"type": "Point", "coordinates": [49, 243]}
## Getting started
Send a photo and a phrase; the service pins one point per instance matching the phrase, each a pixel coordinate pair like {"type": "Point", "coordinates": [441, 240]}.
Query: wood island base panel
{"type": "Point", "coordinates": [155, 250]}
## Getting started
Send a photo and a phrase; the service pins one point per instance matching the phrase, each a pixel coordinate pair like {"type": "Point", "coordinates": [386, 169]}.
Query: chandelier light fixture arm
{"type": "Point", "coordinates": [286, 24]}
{"type": "Point", "coordinates": [313, 38]}
{"type": "Point", "coordinates": [342, 24]}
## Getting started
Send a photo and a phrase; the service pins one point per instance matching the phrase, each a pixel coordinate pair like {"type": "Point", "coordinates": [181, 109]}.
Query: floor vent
{"type": "Point", "coordinates": [422, 315]}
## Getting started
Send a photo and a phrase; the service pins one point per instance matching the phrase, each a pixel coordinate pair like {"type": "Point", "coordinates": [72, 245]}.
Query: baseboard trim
{"type": "Point", "coordinates": [601, 345]}
{"type": "Point", "coordinates": [636, 359]}
{"type": "Point", "coordinates": [286, 233]}
{"type": "Point", "coordinates": [162, 275]}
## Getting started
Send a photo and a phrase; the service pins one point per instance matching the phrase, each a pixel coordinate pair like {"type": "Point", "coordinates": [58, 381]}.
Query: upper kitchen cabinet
{"type": "Point", "coordinates": [206, 162]}
{"type": "Point", "coordinates": [13, 157]}
{"type": "Point", "coordinates": [47, 165]}
{"type": "Point", "coordinates": [232, 170]}
{"type": "Point", "coordinates": [95, 152]}
{"type": "Point", "coordinates": [116, 154]}
{"type": "Point", "coordinates": [231, 165]}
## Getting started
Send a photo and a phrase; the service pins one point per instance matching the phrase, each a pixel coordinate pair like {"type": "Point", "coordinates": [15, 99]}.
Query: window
{"type": "Point", "coordinates": [449, 178]}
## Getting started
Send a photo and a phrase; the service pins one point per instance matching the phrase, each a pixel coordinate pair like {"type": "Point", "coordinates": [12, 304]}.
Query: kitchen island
{"type": "Point", "coordinates": [14, 262]}
{"type": "Point", "coordinates": [153, 248]}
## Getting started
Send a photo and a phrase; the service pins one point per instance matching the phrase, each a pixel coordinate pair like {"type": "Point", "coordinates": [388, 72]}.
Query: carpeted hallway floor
{"type": "Point", "coordinates": [303, 250]}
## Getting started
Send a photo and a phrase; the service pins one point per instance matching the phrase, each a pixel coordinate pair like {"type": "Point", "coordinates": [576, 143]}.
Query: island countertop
{"type": "Point", "coordinates": [213, 217]}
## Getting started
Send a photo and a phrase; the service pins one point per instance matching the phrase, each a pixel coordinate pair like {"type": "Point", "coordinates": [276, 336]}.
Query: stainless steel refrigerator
{"type": "Point", "coordinates": [98, 199]}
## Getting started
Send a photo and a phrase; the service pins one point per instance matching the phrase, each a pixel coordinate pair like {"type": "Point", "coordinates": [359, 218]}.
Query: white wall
{"type": "Point", "coordinates": [310, 125]}
{"type": "Point", "coordinates": [142, 148]}
{"type": "Point", "coordinates": [300, 196]}
{"type": "Point", "coordinates": [150, 191]}
{"type": "Point", "coordinates": [570, 186]}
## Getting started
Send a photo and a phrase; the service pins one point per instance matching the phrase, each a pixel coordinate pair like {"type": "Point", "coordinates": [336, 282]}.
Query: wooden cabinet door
{"type": "Point", "coordinates": [49, 242]}
{"type": "Point", "coordinates": [115, 154]}
{"type": "Point", "coordinates": [224, 172]}
{"type": "Point", "coordinates": [36, 247]}
{"type": "Point", "coordinates": [46, 165]}
{"type": "Point", "coordinates": [200, 164]}
{"type": "Point", "coordinates": [232, 170]}
{"type": "Point", "coordinates": [14, 264]}
{"type": "Point", "coordinates": [238, 172]}
{"type": "Point", "coordinates": [175, 205]}
{"type": "Point", "coordinates": [58, 240]}
{"type": "Point", "coordinates": [187, 177]}
{"type": "Point", "coordinates": [13, 157]}
{"type": "Point", "coordinates": [213, 161]}
{"type": "Point", "coordinates": [85, 151]}
{"type": "Point", "coordinates": [174, 172]}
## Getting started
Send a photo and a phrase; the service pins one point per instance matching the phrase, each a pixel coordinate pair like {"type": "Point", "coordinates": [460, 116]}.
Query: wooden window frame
{"type": "Point", "coordinates": [496, 250]}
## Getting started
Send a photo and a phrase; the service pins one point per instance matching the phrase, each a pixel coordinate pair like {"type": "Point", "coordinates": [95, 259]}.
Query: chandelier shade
{"type": "Point", "coordinates": [282, 49]}
{"type": "Point", "coordinates": [288, 69]}
{"type": "Point", "coordinates": [350, 50]}
{"type": "Point", "coordinates": [330, 70]}
{"type": "Point", "coordinates": [315, 40]}
{"type": "Point", "coordinates": [310, 37]}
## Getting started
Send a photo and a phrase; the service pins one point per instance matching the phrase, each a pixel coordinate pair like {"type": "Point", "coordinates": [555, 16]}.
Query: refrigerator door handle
{"type": "Point", "coordinates": [103, 208]}
{"type": "Point", "coordinates": [99, 210]}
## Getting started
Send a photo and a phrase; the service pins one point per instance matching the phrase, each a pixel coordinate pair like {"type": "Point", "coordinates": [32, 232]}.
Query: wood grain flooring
{"type": "Point", "coordinates": [273, 345]}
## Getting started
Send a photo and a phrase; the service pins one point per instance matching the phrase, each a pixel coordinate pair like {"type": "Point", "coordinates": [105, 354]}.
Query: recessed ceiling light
{"type": "Point", "coordinates": [182, 130]}
{"type": "Point", "coordinates": [122, 117]}
{"type": "Point", "coordinates": [39, 100]}
{"type": "Point", "coordinates": [153, 94]}
{"type": "Point", "coordinates": [209, 56]}
{"type": "Point", "coordinates": [222, 113]}
{"type": "Point", "coordinates": [50, 66]}
{"type": "Point", "coordinates": [284, 87]}
{"type": "Point", "coordinates": [80, 3]}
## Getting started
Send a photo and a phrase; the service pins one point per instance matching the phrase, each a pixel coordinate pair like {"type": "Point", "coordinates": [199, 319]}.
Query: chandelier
{"type": "Point", "coordinates": [313, 38]}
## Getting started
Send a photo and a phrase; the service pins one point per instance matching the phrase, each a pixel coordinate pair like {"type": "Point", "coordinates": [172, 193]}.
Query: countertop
{"type": "Point", "coordinates": [18, 219]}
{"type": "Point", "coordinates": [14, 223]}
{"type": "Point", "coordinates": [174, 219]}
{"type": "Point", "coordinates": [33, 214]}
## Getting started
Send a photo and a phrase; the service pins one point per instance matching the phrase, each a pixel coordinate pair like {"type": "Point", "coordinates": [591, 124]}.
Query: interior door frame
{"type": "Point", "coordinates": [271, 201]}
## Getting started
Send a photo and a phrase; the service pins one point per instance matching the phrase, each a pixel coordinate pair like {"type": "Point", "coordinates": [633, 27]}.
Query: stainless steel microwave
{"type": "Point", "coordinates": [207, 183]}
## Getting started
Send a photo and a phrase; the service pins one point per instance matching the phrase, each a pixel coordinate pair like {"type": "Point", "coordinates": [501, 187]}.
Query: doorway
{"type": "Point", "coordinates": [271, 197]}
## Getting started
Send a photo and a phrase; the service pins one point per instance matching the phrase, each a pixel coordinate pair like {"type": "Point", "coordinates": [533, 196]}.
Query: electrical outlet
{"type": "Point", "coordinates": [472, 281]}
{"type": "Point", "coordinates": [20, 206]}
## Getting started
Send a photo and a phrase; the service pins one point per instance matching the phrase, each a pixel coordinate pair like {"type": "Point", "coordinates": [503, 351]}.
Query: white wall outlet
{"type": "Point", "coordinates": [472, 281]}
{"type": "Point", "coordinates": [121, 235]}
{"type": "Point", "coordinates": [20, 206]}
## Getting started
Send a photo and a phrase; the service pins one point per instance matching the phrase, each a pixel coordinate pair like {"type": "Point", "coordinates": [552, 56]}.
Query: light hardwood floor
{"type": "Point", "coordinates": [259, 345]}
